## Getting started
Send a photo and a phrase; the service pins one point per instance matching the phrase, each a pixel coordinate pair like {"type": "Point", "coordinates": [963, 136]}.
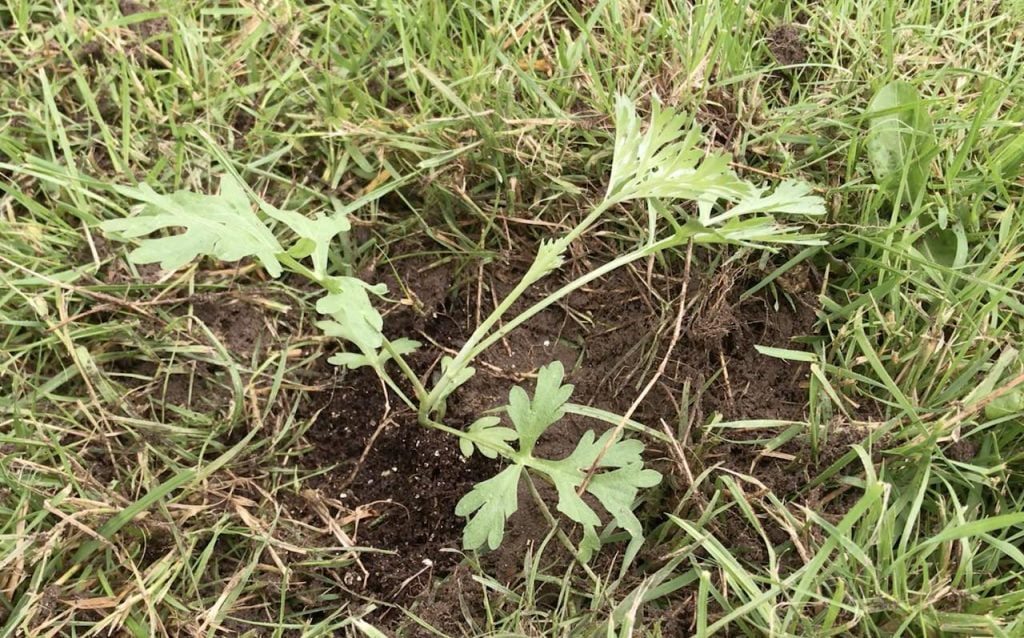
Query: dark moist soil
{"type": "Point", "coordinates": [610, 337]}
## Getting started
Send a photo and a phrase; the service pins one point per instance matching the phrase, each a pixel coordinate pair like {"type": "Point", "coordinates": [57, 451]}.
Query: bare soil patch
{"type": "Point", "coordinates": [610, 338]}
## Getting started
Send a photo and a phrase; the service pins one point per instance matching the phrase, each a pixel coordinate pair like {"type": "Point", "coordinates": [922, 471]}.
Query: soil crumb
{"type": "Point", "coordinates": [236, 322]}
{"type": "Point", "coordinates": [718, 113]}
{"type": "Point", "coordinates": [146, 28]}
{"type": "Point", "coordinates": [787, 45]}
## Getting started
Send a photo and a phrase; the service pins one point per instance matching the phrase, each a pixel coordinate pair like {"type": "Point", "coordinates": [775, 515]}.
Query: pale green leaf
{"type": "Point", "coordinates": [756, 232]}
{"type": "Point", "coordinates": [790, 197]}
{"type": "Point", "coordinates": [616, 482]}
{"type": "Point", "coordinates": [315, 235]}
{"type": "Point", "coordinates": [488, 506]}
{"type": "Point", "coordinates": [665, 160]}
{"type": "Point", "coordinates": [353, 360]}
{"type": "Point", "coordinates": [491, 437]}
{"type": "Point", "coordinates": [355, 318]}
{"type": "Point", "coordinates": [618, 476]}
{"type": "Point", "coordinates": [549, 258]}
{"type": "Point", "coordinates": [531, 418]}
{"type": "Point", "coordinates": [222, 226]}
{"type": "Point", "coordinates": [901, 141]}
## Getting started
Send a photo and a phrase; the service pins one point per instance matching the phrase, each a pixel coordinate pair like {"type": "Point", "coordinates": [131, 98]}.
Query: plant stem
{"type": "Point", "coordinates": [553, 522]}
{"type": "Point", "coordinates": [298, 268]}
{"type": "Point", "coordinates": [576, 284]}
{"type": "Point", "coordinates": [394, 387]}
{"type": "Point", "coordinates": [417, 387]}
{"type": "Point", "coordinates": [470, 350]}
{"type": "Point", "coordinates": [676, 332]}
{"type": "Point", "coordinates": [464, 355]}
{"type": "Point", "coordinates": [504, 451]}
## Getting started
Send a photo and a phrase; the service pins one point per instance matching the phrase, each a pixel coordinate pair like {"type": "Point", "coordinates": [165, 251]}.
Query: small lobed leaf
{"type": "Point", "coordinates": [791, 197]}
{"type": "Point", "coordinates": [355, 318]}
{"type": "Point", "coordinates": [666, 161]}
{"type": "Point", "coordinates": [757, 232]}
{"type": "Point", "coordinates": [352, 360]}
{"type": "Point", "coordinates": [620, 475]}
{"type": "Point", "coordinates": [532, 417]}
{"type": "Point", "coordinates": [487, 507]}
{"type": "Point", "coordinates": [315, 235]}
{"type": "Point", "coordinates": [222, 226]}
{"type": "Point", "coordinates": [495, 437]}
{"type": "Point", "coordinates": [550, 256]}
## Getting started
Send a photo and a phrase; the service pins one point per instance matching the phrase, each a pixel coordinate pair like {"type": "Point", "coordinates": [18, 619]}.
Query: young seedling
{"type": "Point", "coordinates": [656, 165]}
{"type": "Point", "coordinates": [489, 504]}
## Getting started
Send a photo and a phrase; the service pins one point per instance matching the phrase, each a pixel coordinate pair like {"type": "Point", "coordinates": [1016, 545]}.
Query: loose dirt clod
{"type": "Point", "coordinates": [234, 321]}
{"type": "Point", "coordinates": [146, 28]}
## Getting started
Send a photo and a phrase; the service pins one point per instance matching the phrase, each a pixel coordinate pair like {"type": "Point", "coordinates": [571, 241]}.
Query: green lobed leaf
{"type": "Point", "coordinates": [666, 161]}
{"type": "Point", "coordinates": [531, 418]}
{"type": "Point", "coordinates": [487, 507]}
{"type": "Point", "coordinates": [550, 256]}
{"type": "Point", "coordinates": [618, 477]}
{"type": "Point", "coordinates": [791, 197]}
{"type": "Point", "coordinates": [315, 235]}
{"type": "Point", "coordinates": [355, 318]}
{"type": "Point", "coordinates": [487, 430]}
{"type": "Point", "coordinates": [352, 360]}
{"type": "Point", "coordinates": [222, 226]}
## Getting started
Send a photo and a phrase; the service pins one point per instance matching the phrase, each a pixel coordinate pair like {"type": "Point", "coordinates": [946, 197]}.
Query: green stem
{"type": "Point", "coordinates": [503, 451]}
{"type": "Point", "coordinates": [463, 357]}
{"type": "Point", "coordinates": [417, 387]}
{"type": "Point", "coordinates": [298, 268]}
{"type": "Point", "coordinates": [394, 387]}
{"type": "Point", "coordinates": [553, 522]}
{"type": "Point", "coordinates": [469, 350]}
{"type": "Point", "coordinates": [568, 288]}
